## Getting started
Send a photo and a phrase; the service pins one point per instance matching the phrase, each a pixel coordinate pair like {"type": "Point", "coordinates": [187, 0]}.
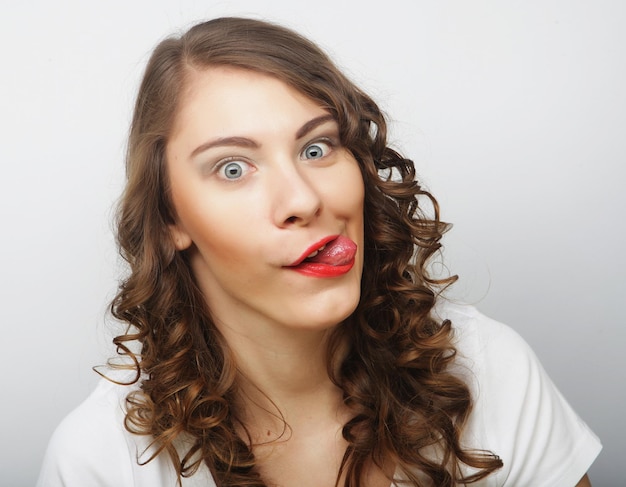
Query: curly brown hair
{"type": "Point", "coordinates": [394, 376]}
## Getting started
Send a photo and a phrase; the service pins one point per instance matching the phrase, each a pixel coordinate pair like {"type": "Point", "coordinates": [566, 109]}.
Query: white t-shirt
{"type": "Point", "coordinates": [518, 414]}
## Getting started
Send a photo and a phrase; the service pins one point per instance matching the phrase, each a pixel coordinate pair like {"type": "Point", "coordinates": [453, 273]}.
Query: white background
{"type": "Point", "coordinates": [515, 113]}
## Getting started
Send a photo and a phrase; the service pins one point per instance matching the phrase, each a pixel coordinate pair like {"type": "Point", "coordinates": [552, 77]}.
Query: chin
{"type": "Point", "coordinates": [332, 315]}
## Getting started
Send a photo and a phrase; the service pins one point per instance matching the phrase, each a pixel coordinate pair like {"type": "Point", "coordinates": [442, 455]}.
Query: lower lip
{"type": "Point", "coordinates": [314, 269]}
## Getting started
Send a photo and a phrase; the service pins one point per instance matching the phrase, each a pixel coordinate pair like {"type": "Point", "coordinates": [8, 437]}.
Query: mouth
{"type": "Point", "coordinates": [330, 257]}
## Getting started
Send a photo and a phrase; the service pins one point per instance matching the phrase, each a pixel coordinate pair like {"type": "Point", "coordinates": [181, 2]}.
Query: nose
{"type": "Point", "coordinates": [297, 201]}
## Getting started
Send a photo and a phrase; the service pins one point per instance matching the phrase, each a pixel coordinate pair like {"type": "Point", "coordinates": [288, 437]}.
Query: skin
{"type": "Point", "coordinates": [257, 177]}
{"type": "Point", "coordinates": [243, 231]}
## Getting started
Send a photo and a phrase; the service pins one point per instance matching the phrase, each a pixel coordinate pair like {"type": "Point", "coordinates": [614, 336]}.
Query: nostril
{"type": "Point", "coordinates": [299, 212]}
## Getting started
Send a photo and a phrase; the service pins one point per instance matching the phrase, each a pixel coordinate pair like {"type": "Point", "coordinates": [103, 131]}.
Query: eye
{"type": "Point", "coordinates": [315, 150]}
{"type": "Point", "coordinates": [233, 170]}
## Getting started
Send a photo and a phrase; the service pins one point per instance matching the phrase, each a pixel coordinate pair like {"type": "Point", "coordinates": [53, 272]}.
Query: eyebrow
{"type": "Point", "coordinates": [251, 144]}
{"type": "Point", "coordinates": [313, 124]}
{"type": "Point", "coordinates": [225, 142]}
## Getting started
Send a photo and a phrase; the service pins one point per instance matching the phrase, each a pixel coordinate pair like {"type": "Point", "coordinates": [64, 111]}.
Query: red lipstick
{"type": "Point", "coordinates": [332, 256]}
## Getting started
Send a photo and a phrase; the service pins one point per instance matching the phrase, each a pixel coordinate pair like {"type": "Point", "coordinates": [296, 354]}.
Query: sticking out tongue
{"type": "Point", "coordinates": [340, 251]}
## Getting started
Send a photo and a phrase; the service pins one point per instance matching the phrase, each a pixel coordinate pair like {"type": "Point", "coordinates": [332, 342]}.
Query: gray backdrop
{"type": "Point", "coordinates": [515, 113]}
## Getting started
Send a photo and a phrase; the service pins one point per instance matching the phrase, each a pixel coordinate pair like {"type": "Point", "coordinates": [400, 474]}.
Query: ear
{"type": "Point", "coordinates": [181, 238]}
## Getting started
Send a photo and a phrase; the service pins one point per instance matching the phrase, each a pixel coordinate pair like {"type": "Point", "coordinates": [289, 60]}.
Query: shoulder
{"type": "Point", "coordinates": [488, 351]}
{"type": "Point", "coordinates": [487, 347]}
{"type": "Point", "coordinates": [518, 412]}
{"type": "Point", "coordinates": [91, 446]}
{"type": "Point", "coordinates": [88, 445]}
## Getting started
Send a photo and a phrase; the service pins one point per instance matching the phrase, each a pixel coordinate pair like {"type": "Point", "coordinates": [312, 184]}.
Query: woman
{"type": "Point", "coordinates": [289, 330]}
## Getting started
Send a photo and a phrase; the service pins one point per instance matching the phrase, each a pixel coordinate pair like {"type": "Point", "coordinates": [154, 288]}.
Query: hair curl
{"type": "Point", "coordinates": [394, 376]}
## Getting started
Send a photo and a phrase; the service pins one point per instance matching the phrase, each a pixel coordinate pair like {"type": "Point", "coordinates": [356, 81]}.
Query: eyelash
{"type": "Point", "coordinates": [221, 166]}
{"type": "Point", "coordinates": [329, 143]}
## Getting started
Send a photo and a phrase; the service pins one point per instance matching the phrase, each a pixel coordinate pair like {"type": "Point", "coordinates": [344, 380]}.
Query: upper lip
{"type": "Point", "coordinates": [312, 248]}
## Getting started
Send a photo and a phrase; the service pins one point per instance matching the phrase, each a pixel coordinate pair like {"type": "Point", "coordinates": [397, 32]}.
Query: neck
{"type": "Point", "coordinates": [283, 377]}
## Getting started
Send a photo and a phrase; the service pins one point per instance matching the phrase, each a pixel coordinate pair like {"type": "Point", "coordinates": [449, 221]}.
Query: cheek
{"type": "Point", "coordinates": [348, 191]}
{"type": "Point", "coordinates": [202, 220]}
{"type": "Point", "coordinates": [221, 230]}
{"type": "Point", "coordinates": [224, 227]}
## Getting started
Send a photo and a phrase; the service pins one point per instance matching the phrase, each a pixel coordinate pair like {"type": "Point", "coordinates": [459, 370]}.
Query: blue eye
{"type": "Point", "coordinates": [315, 150]}
{"type": "Point", "coordinates": [233, 170]}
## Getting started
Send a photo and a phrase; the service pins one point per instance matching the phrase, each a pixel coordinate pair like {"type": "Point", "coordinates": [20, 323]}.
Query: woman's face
{"type": "Point", "coordinates": [268, 202]}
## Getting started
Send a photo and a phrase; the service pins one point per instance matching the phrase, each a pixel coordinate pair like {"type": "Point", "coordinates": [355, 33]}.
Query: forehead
{"type": "Point", "coordinates": [230, 96]}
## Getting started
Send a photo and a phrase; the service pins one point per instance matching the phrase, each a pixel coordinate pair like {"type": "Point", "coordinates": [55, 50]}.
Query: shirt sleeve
{"type": "Point", "coordinates": [88, 447]}
{"type": "Point", "coordinates": [520, 415]}
{"type": "Point", "coordinates": [92, 448]}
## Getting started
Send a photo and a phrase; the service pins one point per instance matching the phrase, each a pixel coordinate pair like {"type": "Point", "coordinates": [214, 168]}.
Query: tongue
{"type": "Point", "coordinates": [338, 252]}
